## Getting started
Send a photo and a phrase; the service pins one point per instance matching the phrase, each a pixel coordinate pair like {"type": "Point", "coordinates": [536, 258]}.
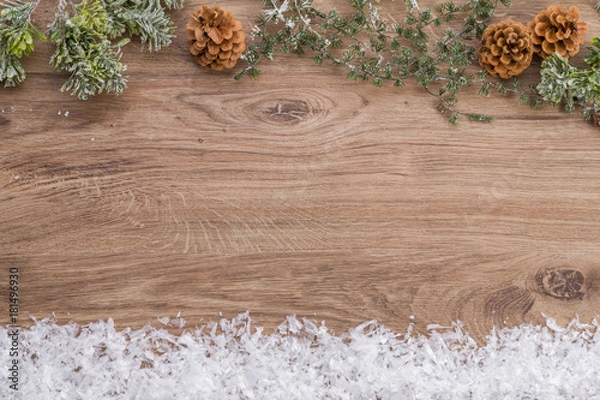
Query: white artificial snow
{"type": "Point", "coordinates": [233, 359]}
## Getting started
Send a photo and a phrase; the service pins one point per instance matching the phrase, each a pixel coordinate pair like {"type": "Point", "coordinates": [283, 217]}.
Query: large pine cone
{"type": "Point", "coordinates": [506, 49]}
{"type": "Point", "coordinates": [216, 38]}
{"type": "Point", "coordinates": [557, 30]}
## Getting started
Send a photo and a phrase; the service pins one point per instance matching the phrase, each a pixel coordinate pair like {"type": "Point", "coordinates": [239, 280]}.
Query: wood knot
{"type": "Point", "coordinates": [561, 283]}
{"type": "Point", "coordinates": [289, 111]}
{"type": "Point", "coordinates": [4, 121]}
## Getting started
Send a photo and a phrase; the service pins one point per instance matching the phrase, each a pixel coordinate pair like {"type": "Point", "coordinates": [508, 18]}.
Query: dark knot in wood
{"type": "Point", "coordinates": [289, 111]}
{"type": "Point", "coordinates": [4, 121]}
{"type": "Point", "coordinates": [561, 283]}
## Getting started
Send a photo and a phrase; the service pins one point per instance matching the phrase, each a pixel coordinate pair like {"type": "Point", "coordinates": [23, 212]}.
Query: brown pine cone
{"type": "Point", "coordinates": [557, 30]}
{"type": "Point", "coordinates": [216, 38]}
{"type": "Point", "coordinates": [506, 49]}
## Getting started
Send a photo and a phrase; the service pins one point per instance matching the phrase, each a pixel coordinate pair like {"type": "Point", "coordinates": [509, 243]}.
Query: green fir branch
{"type": "Point", "coordinates": [84, 51]}
{"type": "Point", "coordinates": [88, 40]}
{"type": "Point", "coordinates": [374, 50]}
{"type": "Point", "coordinates": [144, 18]}
{"type": "Point", "coordinates": [17, 35]}
{"type": "Point", "coordinates": [568, 86]}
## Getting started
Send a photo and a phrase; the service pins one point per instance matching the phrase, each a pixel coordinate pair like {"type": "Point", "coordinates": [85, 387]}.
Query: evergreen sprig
{"type": "Point", "coordinates": [88, 40]}
{"type": "Point", "coordinates": [375, 50]}
{"type": "Point", "coordinates": [16, 39]}
{"type": "Point", "coordinates": [568, 86]}
{"type": "Point", "coordinates": [84, 50]}
{"type": "Point", "coordinates": [144, 18]}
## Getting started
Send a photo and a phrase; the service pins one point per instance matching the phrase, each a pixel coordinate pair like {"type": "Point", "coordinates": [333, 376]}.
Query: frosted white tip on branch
{"type": "Point", "coordinates": [277, 12]}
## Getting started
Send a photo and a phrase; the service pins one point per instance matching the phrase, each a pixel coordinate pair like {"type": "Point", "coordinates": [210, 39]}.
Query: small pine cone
{"type": "Point", "coordinates": [557, 30]}
{"type": "Point", "coordinates": [216, 38]}
{"type": "Point", "coordinates": [506, 49]}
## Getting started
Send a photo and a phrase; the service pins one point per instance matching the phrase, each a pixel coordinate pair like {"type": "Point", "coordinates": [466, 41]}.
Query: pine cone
{"type": "Point", "coordinates": [506, 49]}
{"type": "Point", "coordinates": [557, 30]}
{"type": "Point", "coordinates": [216, 38]}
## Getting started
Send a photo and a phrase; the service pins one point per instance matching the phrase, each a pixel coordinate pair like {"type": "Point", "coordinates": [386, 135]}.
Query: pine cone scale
{"type": "Point", "coordinates": [518, 57]}
{"type": "Point", "coordinates": [215, 35]}
{"type": "Point", "coordinates": [238, 49]}
{"type": "Point", "coordinates": [541, 28]}
{"type": "Point", "coordinates": [194, 50]}
{"type": "Point", "coordinates": [227, 46]}
{"type": "Point", "coordinates": [505, 59]}
{"type": "Point", "coordinates": [192, 25]}
{"type": "Point", "coordinates": [190, 35]}
{"type": "Point", "coordinates": [236, 26]}
{"type": "Point", "coordinates": [553, 37]}
{"type": "Point", "coordinates": [235, 56]}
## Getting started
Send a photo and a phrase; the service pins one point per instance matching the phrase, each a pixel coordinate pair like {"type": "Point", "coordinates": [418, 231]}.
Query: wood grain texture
{"type": "Point", "coordinates": [299, 192]}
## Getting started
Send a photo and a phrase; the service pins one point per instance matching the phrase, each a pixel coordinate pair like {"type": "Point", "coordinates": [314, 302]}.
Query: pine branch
{"type": "Point", "coordinates": [570, 87]}
{"type": "Point", "coordinates": [84, 35]}
{"type": "Point", "coordinates": [144, 18]}
{"type": "Point", "coordinates": [84, 50]}
{"type": "Point", "coordinates": [84, 38]}
{"type": "Point", "coordinates": [16, 39]}
{"type": "Point", "coordinates": [168, 4]}
{"type": "Point", "coordinates": [378, 51]}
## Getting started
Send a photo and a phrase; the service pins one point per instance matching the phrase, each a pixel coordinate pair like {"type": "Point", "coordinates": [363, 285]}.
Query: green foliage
{"type": "Point", "coordinates": [568, 86]}
{"type": "Point", "coordinates": [16, 39]}
{"type": "Point", "coordinates": [11, 70]}
{"type": "Point", "coordinates": [424, 47]}
{"type": "Point", "coordinates": [87, 37]}
{"type": "Point", "coordinates": [84, 50]}
{"type": "Point", "coordinates": [144, 18]}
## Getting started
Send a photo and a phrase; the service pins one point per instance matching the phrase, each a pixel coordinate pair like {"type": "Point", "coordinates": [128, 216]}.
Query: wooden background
{"type": "Point", "coordinates": [299, 192]}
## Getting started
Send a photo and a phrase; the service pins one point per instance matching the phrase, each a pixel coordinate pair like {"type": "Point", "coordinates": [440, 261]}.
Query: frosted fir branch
{"type": "Point", "coordinates": [84, 51]}
{"type": "Point", "coordinates": [168, 4]}
{"type": "Point", "coordinates": [568, 86]}
{"type": "Point", "coordinates": [17, 35]}
{"type": "Point", "coordinates": [84, 35]}
{"type": "Point", "coordinates": [144, 18]}
{"type": "Point", "coordinates": [277, 11]}
{"type": "Point", "coordinates": [377, 51]}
